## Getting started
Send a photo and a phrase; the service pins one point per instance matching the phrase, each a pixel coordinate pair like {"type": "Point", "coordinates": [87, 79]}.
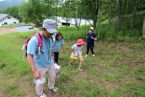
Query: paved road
{"type": "Point", "coordinates": [7, 30]}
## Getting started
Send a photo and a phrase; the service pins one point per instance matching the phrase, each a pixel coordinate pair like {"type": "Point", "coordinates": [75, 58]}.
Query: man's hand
{"type": "Point", "coordinates": [36, 74]}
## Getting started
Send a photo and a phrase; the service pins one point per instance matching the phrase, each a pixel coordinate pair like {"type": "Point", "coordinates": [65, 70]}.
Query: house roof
{"type": "Point", "coordinates": [3, 16]}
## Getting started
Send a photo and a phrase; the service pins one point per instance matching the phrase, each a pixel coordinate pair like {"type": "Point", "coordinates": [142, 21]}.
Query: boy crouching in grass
{"type": "Point", "coordinates": [77, 52]}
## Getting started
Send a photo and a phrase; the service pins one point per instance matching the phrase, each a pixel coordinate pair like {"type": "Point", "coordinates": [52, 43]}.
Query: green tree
{"type": "Point", "coordinates": [35, 11]}
{"type": "Point", "coordinates": [13, 11]}
{"type": "Point", "coordinates": [91, 9]}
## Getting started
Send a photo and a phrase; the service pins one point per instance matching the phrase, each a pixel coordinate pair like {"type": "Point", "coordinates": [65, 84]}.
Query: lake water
{"type": "Point", "coordinates": [24, 28]}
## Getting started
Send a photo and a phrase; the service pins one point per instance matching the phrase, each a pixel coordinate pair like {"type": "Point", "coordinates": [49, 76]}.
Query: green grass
{"type": "Point", "coordinates": [72, 33]}
{"type": "Point", "coordinates": [137, 90]}
{"type": "Point", "coordinates": [117, 70]}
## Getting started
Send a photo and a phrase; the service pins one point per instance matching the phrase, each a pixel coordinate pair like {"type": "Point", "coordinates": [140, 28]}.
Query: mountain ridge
{"type": "Point", "coordinates": [9, 3]}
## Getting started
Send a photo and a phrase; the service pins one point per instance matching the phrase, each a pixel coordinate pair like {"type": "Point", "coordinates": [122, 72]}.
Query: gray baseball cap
{"type": "Point", "coordinates": [49, 25]}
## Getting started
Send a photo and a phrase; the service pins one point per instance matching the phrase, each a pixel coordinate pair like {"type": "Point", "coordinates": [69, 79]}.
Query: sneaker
{"type": "Point", "coordinates": [86, 55]}
{"type": "Point", "coordinates": [93, 55]}
{"type": "Point", "coordinates": [70, 64]}
{"type": "Point", "coordinates": [43, 95]}
{"type": "Point", "coordinates": [54, 90]}
{"type": "Point", "coordinates": [80, 69]}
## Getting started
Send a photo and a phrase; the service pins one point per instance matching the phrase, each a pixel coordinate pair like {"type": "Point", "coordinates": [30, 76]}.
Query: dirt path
{"type": "Point", "coordinates": [7, 30]}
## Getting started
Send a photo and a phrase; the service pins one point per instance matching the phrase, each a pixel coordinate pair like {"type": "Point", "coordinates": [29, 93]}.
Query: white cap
{"type": "Point", "coordinates": [91, 28]}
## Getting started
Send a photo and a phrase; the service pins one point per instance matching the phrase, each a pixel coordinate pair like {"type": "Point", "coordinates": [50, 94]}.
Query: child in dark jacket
{"type": "Point", "coordinates": [90, 41]}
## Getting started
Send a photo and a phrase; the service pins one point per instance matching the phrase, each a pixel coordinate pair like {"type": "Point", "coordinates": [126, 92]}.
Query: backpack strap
{"type": "Point", "coordinates": [39, 38]}
{"type": "Point", "coordinates": [26, 42]}
{"type": "Point", "coordinates": [40, 42]}
{"type": "Point", "coordinates": [24, 48]}
{"type": "Point", "coordinates": [52, 39]}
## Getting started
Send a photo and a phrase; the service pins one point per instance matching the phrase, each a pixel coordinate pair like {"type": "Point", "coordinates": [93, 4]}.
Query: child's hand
{"type": "Point", "coordinates": [63, 52]}
{"type": "Point", "coordinates": [75, 54]}
{"type": "Point", "coordinates": [95, 38]}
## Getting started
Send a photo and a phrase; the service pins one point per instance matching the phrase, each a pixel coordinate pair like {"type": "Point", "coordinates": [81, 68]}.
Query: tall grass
{"type": "Point", "coordinates": [103, 32]}
{"type": "Point", "coordinates": [69, 33]}
{"type": "Point", "coordinates": [72, 33]}
{"type": "Point", "coordinates": [25, 35]}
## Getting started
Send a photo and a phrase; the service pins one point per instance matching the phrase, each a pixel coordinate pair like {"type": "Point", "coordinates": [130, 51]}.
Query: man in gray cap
{"type": "Point", "coordinates": [42, 62]}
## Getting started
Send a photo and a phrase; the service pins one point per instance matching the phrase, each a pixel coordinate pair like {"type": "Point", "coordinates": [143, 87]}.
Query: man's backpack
{"type": "Point", "coordinates": [40, 43]}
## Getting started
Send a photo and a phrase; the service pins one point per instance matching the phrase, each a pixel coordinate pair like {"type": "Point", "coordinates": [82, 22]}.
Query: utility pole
{"type": "Point", "coordinates": [76, 22]}
{"type": "Point", "coordinates": [56, 7]}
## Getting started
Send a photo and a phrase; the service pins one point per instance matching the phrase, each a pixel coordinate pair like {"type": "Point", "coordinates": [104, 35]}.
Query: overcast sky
{"type": "Point", "coordinates": [12, 0]}
{"type": "Point", "coordinates": [8, 3]}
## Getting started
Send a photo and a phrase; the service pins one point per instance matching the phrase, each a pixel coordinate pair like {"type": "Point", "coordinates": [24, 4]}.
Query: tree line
{"type": "Point", "coordinates": [121, 14]}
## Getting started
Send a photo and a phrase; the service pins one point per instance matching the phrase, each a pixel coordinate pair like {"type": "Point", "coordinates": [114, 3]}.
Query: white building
{"type": "Point", "coordinates": [72, 21]}
{"type": "Point", "coordinates": [6, 19]}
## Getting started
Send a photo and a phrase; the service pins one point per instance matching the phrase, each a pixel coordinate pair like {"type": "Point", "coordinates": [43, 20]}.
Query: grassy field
{"type": "Point", "coordinates": [117, 70]}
